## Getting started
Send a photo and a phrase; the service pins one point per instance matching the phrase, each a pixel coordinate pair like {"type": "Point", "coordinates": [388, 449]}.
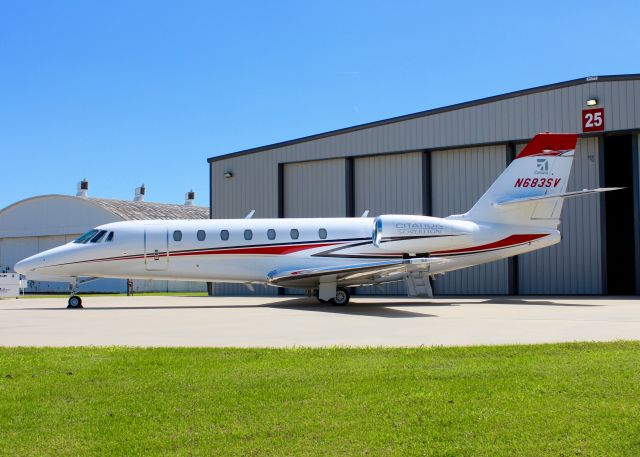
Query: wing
{"type": "Point", "coordinates": [352, 275]}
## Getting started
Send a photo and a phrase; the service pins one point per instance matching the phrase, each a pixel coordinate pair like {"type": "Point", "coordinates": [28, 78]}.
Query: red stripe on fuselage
{"type": "Point", "coordinates": [265, 250]}
{"type": "Point", "coordinates": [509, 241]}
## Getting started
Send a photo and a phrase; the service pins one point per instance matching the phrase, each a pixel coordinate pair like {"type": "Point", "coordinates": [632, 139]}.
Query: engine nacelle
{"type": "Point", "coordinates": [419, 234]}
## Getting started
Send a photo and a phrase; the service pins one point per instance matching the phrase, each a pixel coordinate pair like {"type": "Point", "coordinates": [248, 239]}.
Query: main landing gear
{"type": "Point", "coordinates": [341, 298]}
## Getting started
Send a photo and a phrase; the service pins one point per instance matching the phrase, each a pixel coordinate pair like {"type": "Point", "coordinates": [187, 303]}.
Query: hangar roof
{"type": "Point", "coordinates": [64, 214]}
{"type": "Point", "coordinates": [133, 211]}
{"type": "Point", "coordinates": [130, 210]}
{"type": "Point", "coordinates": [420, 114]}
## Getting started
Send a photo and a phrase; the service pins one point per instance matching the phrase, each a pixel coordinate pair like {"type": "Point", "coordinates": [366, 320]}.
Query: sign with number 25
{"type": "Point", "coordinates": [592, 120]}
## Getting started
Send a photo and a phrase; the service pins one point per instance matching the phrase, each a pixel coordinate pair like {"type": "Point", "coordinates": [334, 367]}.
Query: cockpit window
{"type": "Point", "coordinates": [86, 237]}
{"type": "Point", "coordinates": [98, 236]}
{"type": "Point", "coordinates": [109, 237]}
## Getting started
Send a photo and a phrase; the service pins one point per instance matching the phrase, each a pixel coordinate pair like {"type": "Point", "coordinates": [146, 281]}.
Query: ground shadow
{"type": "Point", "coordinates": [375, 305]}
{"type": "Point", "coordinates": [534, 301]}
{"type": "Point", "coordinates": [374, 309]}
{"type": "Point", "coordinates": [353, 308]}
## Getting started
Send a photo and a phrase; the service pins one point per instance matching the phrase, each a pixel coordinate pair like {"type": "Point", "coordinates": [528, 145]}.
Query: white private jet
{"type": "Point", "coordinates": [326, 256]}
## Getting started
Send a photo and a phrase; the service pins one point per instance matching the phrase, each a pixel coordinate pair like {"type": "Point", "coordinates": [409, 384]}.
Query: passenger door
{"type": "Point", "coordinates": [156, 241]}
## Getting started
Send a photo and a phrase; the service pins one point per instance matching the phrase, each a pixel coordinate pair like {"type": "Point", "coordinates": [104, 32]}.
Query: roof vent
{"type": "Point", "coordinates": [189, 197]}
{"type": "Point", "coordinates": [83, 189]}
{"type": "Point", "coordinates": [139, 196]}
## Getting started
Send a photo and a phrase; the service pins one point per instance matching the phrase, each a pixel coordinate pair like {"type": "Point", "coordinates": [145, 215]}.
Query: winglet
{"type": "Point", "coordinates": [549, 144]}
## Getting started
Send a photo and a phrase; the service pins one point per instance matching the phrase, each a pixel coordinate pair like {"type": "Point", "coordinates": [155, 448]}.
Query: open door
{"type": "Point", "coordinates": [620, 224]}
{"type": "Point", "coordinates": [156, 242]}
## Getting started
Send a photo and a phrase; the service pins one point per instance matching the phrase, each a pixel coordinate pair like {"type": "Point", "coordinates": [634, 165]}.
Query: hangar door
{"type": "Point", "coordinates": [574, 265]}
{"type": "Point", "coordinates": [315, 189]}
{"type": "Point", "coordinates": [459, 178]}
{"type": "Point", "coordinates": [388, 184]}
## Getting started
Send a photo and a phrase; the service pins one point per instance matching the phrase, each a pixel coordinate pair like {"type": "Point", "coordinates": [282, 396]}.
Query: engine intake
{"type": "Point", "coordinates": [418, 234]}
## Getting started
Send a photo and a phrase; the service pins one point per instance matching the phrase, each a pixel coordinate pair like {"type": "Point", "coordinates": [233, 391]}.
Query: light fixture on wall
{"type": "Point", "coordinates": [592, 102]}
{"type": "Point", "coordinates": [228, 174]}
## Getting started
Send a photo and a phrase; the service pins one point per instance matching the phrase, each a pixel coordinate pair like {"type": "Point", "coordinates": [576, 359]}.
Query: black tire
{"type": "Point", "coordinates": [341, 298]}
{"type": "Point", "coordinates": [75, 302]}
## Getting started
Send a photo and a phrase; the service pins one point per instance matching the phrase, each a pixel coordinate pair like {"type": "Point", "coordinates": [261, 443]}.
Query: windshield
{"type": "Point", "coordinates": [86, 237]}
{"type": "Point", "coordinates": [98, 237]}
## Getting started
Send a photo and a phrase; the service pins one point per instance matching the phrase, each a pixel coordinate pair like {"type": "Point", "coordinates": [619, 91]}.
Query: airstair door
{"type": "Point", "coordinates": [156, 242]}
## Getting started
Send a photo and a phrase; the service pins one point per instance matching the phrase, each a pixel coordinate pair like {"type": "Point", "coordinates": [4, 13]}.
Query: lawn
{"type": "Point", "coordinates": [557, 400]}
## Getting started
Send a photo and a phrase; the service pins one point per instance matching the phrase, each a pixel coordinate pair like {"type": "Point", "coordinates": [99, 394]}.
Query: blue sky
{"type": "Point", "coordinates": [131, 92]}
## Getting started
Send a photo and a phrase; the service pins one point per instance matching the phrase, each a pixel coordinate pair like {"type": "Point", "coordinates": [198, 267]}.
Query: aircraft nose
{"type": "Point", "coordinates": [27, 265]}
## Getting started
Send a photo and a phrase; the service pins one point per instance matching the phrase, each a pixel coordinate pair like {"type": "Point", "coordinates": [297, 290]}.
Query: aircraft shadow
{"type": "Point", "coordinates": [302, 304]}
{"type": "Point", "coordinates": [532, 301]}
{"type": "Point", "coordinates": [353, 308]}
{"type": "Point", "coordinates": [359, 305]}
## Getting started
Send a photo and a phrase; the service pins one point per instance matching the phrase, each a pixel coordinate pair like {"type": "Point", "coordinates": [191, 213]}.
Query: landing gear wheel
{"type": "Point", "coordinates": [75, 302]}
{"type": "Point", "coordinates": [341, 298]}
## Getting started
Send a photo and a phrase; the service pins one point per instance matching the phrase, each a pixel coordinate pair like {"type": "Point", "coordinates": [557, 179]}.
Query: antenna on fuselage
{"type": "Point", "coordinates": [366, 213]}
{"type": "Point", "coordinates": [250, 214]}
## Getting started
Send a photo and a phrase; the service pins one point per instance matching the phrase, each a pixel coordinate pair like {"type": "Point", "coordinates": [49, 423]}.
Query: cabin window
{"type": "Point", "coordinates": [109, 237]}
{"type": "Point", "coordinates": [86, 237]}
{"type": "Point", "coordinates": [294, 234]}
{"type": "Point", "coordinates": [322, 233]}
{"type": "Point", "coordinates": [177, 235]}
{"type": "Point", "coordinates": [98, 236]}
{"type": "Point", "coordinates": [201, 235]}
{"type": "Point", "coordinates": [224, 235]}
{"type": "Point", "coordinates": [271, 234]}
{"type": "Point", "coordinates": [248, 234]}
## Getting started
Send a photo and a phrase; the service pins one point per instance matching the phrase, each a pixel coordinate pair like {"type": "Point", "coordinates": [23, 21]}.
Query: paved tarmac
{"type": "Point", "coordinates": [286, 322]}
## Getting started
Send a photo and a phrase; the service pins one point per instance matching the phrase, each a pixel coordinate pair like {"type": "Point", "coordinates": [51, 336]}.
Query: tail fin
{"type": "Point", "coordinates": [541, 170]}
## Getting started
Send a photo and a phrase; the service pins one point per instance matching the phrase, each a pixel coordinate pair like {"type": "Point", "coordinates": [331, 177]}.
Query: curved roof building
{"type": "Point", "coordinates": [43, 222]}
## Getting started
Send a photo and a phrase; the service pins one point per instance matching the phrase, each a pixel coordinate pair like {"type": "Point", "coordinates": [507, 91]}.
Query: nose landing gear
{"type": "Point", "coordinates": [75, 302]}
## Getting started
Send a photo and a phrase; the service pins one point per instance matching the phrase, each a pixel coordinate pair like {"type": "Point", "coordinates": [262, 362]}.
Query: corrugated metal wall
{"type": "Point", "coordinates": [574, 265]}
{"type": "Point", "coordinates": [459, 178]}
{"type": "Point", "coordinates": [388, 184]}
{"type": "Point", "coordinates": [254, 185]}
{"type": "Point", "coordinates": [315, 189]}
{"type": "Point", "coordinates": [511, 119]}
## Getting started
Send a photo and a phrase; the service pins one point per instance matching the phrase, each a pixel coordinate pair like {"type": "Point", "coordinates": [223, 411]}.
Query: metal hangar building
{"type": "Point", "coordinates": [439, 162]}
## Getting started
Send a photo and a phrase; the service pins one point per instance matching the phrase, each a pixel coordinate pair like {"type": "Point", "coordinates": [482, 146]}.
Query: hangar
{"type": "Point", "coordinates": [439, 162]}
{"type": "Point", "coordinates": [39, 223]}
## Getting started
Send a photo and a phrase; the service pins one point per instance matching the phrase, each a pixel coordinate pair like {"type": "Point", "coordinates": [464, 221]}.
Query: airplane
{"type": "Point", "coordinates": [326, 257]}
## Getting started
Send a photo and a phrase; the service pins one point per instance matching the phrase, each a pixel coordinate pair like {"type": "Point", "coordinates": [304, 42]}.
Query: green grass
{"type": "Point", "coordinates": [556, 400]}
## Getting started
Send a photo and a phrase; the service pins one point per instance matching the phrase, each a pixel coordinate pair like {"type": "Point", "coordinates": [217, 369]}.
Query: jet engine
{"type": "Point", "coordinates": [419, 234]}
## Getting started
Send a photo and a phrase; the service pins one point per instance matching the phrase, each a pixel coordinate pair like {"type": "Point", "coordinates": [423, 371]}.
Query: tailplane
{"type": "Point", "coordinates": [533, 187]}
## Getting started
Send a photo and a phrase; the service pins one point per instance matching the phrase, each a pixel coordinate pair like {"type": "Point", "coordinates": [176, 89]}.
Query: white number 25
{"type": "Point", "coordinates": [593, 119]}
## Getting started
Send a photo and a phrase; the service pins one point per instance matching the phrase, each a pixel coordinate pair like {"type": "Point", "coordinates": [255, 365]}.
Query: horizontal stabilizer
{"type": "Point", "coordinates": [526, 200]}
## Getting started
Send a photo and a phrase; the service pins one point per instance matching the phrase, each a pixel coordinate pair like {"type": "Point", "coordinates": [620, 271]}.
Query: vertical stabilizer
{"type": "Point", "coordinates": [541, 169]}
